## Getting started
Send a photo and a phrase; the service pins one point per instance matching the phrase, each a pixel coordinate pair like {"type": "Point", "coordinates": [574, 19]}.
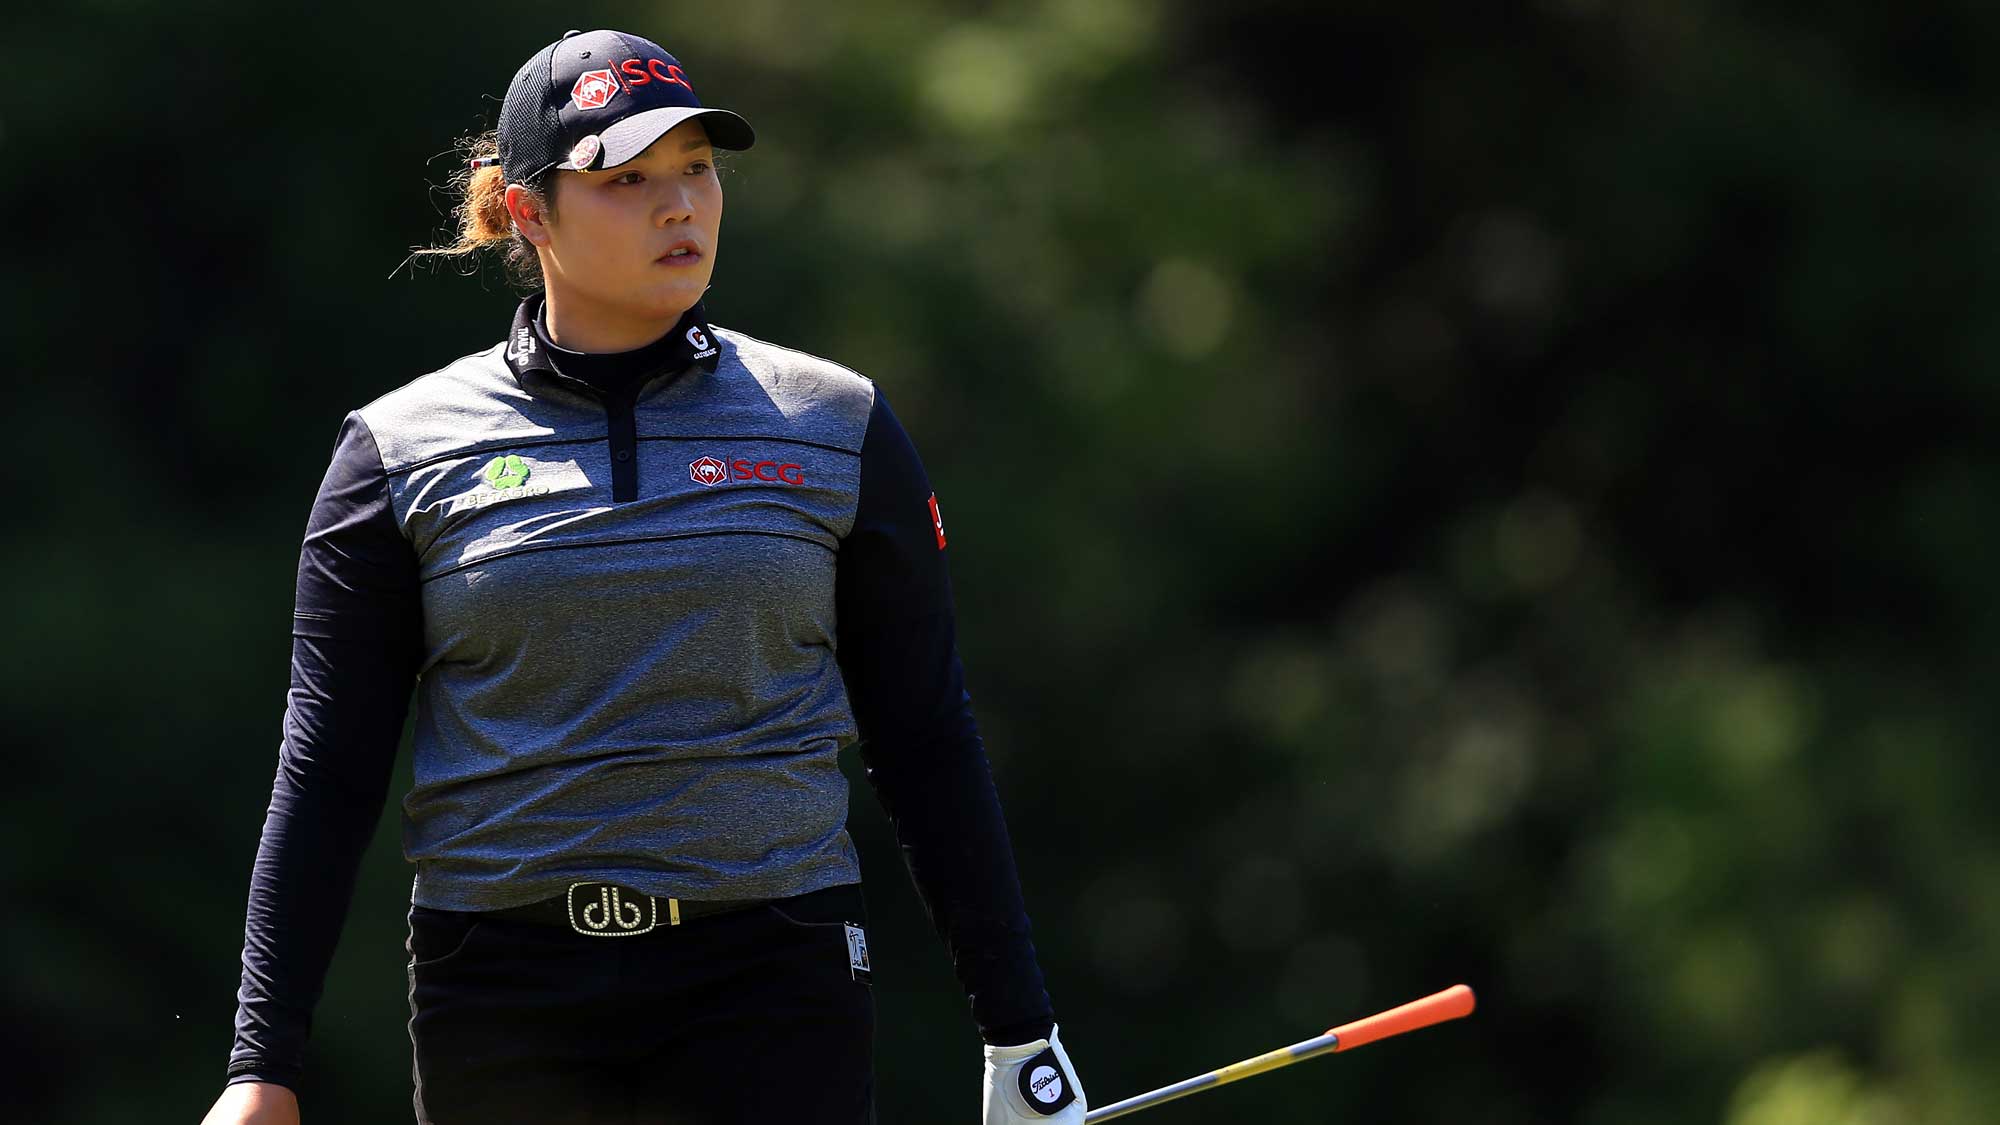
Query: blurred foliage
{"type": "Point", "coordinates": [1438, 492]}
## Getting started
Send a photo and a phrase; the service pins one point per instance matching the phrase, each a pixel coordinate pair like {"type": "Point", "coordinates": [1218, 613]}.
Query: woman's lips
{"type": "Point", "coordinates": [672, 259]}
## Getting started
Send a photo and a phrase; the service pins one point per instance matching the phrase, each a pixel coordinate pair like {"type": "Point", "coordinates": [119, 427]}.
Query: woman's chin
{"type": "Point", "coordinates": [674, 297]}
{"type": "Point", "coordinates": [655, 302]}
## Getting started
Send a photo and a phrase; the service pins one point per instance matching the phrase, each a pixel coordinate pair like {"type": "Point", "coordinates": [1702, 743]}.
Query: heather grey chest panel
{"type": "Point", "coordinates": [646, 689]}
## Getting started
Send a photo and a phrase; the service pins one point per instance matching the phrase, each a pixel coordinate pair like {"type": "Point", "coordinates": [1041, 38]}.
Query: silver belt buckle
{"type": "Point", "coordinates": [609, 910]}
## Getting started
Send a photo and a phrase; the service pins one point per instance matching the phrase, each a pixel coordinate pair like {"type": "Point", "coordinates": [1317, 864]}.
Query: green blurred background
{"type": "Point", "coordinates": [1438, 492]}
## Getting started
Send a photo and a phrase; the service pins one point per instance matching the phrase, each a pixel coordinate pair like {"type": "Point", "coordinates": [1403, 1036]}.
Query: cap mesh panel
{"type": "Point", "coordinates": [530, 131]}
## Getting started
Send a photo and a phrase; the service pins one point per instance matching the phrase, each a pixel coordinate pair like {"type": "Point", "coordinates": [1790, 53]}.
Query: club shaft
{"type": "Point", "coordinates": [1269, 1060]}
{"type": "Point", "coordinates": [1453, 1003]}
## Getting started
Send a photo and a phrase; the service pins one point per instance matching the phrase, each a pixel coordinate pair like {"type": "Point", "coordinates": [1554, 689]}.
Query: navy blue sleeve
{"type": "Point", "coordinates": [898, 654]}
{"type": "Point", "coordinates": [356, 641]}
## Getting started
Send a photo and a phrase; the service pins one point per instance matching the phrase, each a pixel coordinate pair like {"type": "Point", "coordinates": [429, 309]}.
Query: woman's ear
{"type": "Point", "coordinates": [526, 211]}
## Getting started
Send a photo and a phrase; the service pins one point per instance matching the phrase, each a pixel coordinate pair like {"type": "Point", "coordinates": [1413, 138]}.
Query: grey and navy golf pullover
{"type": "Point", "coordinates": [644, 599]}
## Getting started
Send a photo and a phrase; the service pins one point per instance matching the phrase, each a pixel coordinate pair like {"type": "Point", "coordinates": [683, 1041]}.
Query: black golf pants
{"type": "Point", "coordinates": [747, 1016]}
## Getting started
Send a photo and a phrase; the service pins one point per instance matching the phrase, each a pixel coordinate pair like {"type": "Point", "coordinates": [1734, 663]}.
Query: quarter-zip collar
{"type": "Point", "coordinates": [690, 342]}
{"type": "Point", "coordinates": [613, 378]}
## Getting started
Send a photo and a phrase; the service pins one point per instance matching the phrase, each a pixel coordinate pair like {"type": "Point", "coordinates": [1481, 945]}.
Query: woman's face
{"type": "Point", "coordinates": [608, 254]}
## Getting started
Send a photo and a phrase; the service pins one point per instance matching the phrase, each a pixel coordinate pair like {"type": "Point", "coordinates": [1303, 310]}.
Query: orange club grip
{"type": "Point", "coordinates": [1453, 1003]}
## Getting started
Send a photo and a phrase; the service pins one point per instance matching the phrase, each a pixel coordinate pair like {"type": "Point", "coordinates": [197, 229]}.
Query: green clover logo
{"type": "Point", "coordinates": [506, 472]}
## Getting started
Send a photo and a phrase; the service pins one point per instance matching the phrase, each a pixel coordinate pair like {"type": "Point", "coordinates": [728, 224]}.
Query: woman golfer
{"type": "Point", "coordinates": [647, 575]}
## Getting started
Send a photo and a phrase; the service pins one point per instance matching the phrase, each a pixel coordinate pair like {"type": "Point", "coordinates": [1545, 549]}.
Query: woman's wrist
{"type": "Point", "coordinates": [1015, 1034]}
{"type": "Point", "coordinates": [266, 1087]}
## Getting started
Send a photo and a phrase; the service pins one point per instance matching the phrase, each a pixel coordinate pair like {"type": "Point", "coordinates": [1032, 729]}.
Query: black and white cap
{"type": "Point", "coordinates": [595, 99]}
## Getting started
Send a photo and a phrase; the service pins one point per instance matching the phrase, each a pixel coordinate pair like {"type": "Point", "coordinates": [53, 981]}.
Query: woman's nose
{"type": "Point", "coordinates": [676, 205]}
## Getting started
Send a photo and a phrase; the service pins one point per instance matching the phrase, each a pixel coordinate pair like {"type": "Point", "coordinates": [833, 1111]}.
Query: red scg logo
{"type": "Point", "coordinates": [638, 72]}
{"type": "Point", "coordinates": [788, 473]}
{"type": "Point", "coordinates": [593, 89]}
{"type": "Point", "coordinates": [708, 471]}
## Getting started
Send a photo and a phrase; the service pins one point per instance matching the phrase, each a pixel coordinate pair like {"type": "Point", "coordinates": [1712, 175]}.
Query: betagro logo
{"type": "Point", "coordinates": [506, 472]}
{"type": "Point", "coordinates": [504, 478]}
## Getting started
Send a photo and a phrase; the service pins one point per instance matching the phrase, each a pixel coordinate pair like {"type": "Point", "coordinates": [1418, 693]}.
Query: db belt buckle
{"type": "Point", "coordinates": [609, 910]}
{"type": "Point", "coordinates": [599, 909]}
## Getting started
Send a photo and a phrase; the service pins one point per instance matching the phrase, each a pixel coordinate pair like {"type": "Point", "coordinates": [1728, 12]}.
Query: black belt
{"type": "Point", "coordinates": [611, 910]}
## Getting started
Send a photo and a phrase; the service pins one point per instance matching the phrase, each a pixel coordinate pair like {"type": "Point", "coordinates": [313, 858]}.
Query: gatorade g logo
{"type": "Point", "coordinates": [593, 90]}
{"type": "Point", "coordinates": [702, 347]}
{"type": "Point", "coordinates": [506, 472]}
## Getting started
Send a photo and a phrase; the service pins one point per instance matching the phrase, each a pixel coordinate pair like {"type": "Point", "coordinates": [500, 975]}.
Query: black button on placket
{"type": "Point", "coordinates": [624, 439]}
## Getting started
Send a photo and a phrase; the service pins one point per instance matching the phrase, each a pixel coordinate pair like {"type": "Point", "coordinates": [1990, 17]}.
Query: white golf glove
{"type": "Point", "coordinates": [1033, 1082]}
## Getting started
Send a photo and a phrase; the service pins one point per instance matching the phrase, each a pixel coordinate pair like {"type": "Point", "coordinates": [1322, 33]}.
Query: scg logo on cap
{"type": "Point", "coordinates": [594, 89]}
{"type": "Point", "coordinates": [638, 72]}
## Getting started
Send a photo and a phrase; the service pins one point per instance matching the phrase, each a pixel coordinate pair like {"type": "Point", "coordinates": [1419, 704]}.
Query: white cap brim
{"type": "Point", "coordinates": [631, 135]}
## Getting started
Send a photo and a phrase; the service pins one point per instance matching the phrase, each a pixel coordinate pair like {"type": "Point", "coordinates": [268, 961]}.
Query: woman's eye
{"type": "Point", "coordinates": [698, 167]}
{"type": "Point", "coordinates": [621, 179]}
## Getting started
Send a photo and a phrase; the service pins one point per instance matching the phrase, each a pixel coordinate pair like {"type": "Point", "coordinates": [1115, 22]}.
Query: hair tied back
{"type": "Point", "coordinates": [479, 211]}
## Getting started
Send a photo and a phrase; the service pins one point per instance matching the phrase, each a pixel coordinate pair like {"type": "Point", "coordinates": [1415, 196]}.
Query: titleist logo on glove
{"type": "Point", "coordinates": [1032, 1082]}
{"type": "Point", "coordinates": [1042, 1083]}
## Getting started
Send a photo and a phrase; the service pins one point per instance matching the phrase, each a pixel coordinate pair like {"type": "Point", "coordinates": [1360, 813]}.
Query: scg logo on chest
{"type": "Point", "coordinates": [711, 471]}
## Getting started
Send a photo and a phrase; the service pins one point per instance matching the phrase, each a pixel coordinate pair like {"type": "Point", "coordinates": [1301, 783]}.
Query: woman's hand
{"type": "Point", "coordinates": [1031, 1083]}
{"type": "Point", "coordinates": [254, 1103]}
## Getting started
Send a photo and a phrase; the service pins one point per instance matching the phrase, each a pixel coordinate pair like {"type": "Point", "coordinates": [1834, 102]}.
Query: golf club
{"type": "Point", "coordinates": [1453, 1003]}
